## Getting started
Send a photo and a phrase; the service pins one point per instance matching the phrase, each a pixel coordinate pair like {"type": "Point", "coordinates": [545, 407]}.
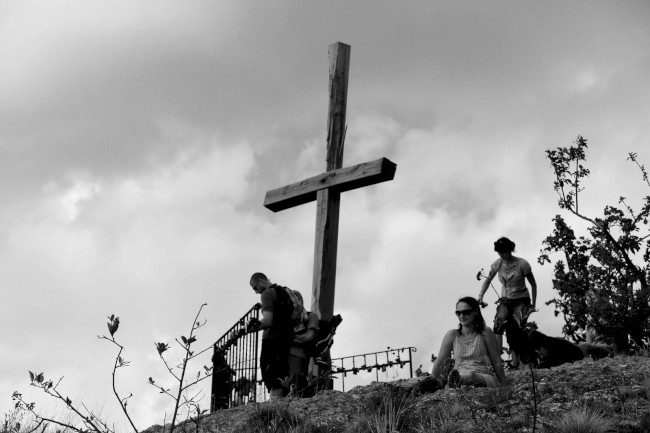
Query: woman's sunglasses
{"type": "Point", "coordinates": [464, 312]}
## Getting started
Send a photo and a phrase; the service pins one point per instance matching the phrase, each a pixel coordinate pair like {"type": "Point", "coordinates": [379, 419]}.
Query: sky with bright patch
{"type": "Point", "coordinates": [137, 141]}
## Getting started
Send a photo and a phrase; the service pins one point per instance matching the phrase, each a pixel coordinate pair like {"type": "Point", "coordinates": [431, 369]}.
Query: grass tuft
{"type": "Point", "coordinates": [581, 419]}
{"type": "Point", "coordinates": [443, 426]}
{"type": "Point", "coordinates": [389, 410]}
{"type": "Point", "coordinates": [271, 417]}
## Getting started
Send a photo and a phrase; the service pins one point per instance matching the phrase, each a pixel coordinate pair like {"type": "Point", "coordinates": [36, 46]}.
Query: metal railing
{"type": "Point", "coordinates": [236, 356]}
{"type": "Point", "coordinates": [382, 361]}
{"type": "Point", "coordinates": [235, 364]}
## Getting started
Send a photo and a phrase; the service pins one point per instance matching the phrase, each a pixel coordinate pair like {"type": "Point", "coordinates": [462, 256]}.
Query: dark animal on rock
{"type": "Point", "coordinates": [553, 351]}
{"type": "Point", "coordinates": [537, 348]}
{"type": "Point", "coordinates": [514, 328]}
{"type": "Point", "coordinates": [596, 351]}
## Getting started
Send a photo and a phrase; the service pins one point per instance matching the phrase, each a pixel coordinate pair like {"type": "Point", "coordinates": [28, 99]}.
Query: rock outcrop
{"type": "Point", "coordinates": [617, 388]}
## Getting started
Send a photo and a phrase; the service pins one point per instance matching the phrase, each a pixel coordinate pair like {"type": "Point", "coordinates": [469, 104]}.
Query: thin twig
{"type": "Point", "coordinates": [119, 363]}
{"type": "Point", "coordinates": [532, 375]}
{"type": "Point", "coordinates": [37, 426]}
{"type": "Point", "coordinates": [171, 371]}
{"type": "Point", "coordinates": [184, 364]}
{"type": "Point", "coordinates": [55, 393]}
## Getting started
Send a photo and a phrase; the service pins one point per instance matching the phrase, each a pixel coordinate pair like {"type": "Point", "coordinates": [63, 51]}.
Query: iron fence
{"type": "Point", "coordinates": [236, 356]}
{"type": "Point", "coordinates": [382, 361]}
{"type": "Point", "coordinates": [235, 364]}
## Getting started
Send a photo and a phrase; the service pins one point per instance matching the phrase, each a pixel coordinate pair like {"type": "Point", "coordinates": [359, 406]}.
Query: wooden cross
{"type": "Point", "coordinates": [326, 188]}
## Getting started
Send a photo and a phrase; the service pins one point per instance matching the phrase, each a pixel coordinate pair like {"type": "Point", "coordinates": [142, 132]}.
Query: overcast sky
{"type": "Point", "coordinates": [137, 140]}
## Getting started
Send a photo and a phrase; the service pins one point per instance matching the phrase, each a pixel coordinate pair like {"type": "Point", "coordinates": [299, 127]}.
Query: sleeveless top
{"type": "Point", "coordinates": [512, 277]}
{"type": "Point", "coordinates": [470, 354]}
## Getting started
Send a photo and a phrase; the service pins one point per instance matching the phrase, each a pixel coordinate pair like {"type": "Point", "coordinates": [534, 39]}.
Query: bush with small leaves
{"type": "Point", "coordinates": [602, 279]}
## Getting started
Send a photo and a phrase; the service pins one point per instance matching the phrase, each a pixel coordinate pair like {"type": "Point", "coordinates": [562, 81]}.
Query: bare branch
{"type": "Point", "coordinates": [198, 380]}
{"type": "Point", "coordinates": [188, 354]}
{"type": "Point", "coordinates": [171, 371]}
{"type": "Point", "coordinates": [119, 362]}
{"type": "Point", "coordinates": [632, 157]}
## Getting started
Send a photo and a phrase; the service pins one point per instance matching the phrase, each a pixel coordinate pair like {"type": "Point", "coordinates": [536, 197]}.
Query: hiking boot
{"type": "Point", "coordinates": [429, 385]}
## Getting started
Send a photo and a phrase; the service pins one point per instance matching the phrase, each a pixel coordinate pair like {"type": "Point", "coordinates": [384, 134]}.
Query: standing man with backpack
{"type": "Point", "coordinates": [277, 336]}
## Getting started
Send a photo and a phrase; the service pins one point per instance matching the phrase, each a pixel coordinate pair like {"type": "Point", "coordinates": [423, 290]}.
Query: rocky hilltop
{"type": "Point", "coordinates": [612, 394]}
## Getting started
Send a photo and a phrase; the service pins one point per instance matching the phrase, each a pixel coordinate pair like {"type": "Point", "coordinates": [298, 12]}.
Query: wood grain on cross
{"type": "Point", "coordinates": [326, 188]}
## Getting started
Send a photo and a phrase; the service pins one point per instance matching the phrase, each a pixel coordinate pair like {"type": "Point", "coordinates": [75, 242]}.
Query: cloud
{"type": "Point", "coordinates": [137, 141]}
{"type": "Point", "coordinates": [92, 86]}
{"type": "Point", "coordinates": [118, 246]}
{"type": "Point", "coordinates": [58, 48]}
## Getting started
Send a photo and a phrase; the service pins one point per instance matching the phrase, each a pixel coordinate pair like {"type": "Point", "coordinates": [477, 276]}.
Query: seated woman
{"type": "Point", "coordinates": [475, 349]}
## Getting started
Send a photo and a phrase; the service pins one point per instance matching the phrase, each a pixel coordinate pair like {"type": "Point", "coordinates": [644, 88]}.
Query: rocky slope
{"type": "Point", "coordinates": [613, 392]}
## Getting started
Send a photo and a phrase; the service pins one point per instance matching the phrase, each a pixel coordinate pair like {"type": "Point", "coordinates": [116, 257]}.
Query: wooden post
{"type": "Point", "coordinates": [329, 200]}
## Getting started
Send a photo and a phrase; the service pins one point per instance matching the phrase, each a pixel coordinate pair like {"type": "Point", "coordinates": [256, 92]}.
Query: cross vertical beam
{"type": "Point", "coordinates": [328, 200]}
{"type": "Point", "coordinates": [326, 188]}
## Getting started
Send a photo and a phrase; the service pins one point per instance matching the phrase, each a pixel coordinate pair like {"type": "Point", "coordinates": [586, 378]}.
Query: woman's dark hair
{"type": "Point", "coordinates": [479, 321]}
{"type": "Point", "coordinates": [504, 245]}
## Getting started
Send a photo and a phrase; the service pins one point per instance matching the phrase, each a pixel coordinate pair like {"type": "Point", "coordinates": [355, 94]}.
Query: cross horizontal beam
{"type": "Point", "coordinates": [340, 180]}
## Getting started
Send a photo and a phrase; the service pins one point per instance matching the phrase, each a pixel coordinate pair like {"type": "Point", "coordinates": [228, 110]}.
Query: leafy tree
{"type": "Point", "coordinates": [603, 280]}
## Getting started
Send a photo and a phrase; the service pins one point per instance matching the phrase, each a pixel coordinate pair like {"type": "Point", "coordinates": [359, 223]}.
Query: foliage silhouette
{"type": "Point", "coordinates": [85, 420]}
{"type": "Point", "coordinates": [602, 282]}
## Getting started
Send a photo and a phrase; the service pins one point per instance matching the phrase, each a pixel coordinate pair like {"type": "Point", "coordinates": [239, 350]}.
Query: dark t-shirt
{"type": "Point", "coordinates": [280, 328]}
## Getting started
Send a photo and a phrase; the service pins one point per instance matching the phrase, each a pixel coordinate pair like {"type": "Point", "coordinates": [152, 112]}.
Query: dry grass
{"type": "Point", "coordinates": [583, 420]}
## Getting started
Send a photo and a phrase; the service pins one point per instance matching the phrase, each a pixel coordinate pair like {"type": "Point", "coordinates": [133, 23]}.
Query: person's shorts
{"type": "Point", "coordinates": [274, 362]}
{"type": "Point", "coordinates": [506, 310]}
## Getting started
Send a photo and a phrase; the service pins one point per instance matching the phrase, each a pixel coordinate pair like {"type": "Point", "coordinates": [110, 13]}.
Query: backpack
{"type": "Point", "coordinates": [289, 310]}
{"type": "Point", "coordinates": [325, 338]}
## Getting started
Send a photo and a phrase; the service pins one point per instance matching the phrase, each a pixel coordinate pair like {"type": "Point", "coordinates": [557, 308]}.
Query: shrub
{"type": "Point", "coordinates": [609, 268]}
